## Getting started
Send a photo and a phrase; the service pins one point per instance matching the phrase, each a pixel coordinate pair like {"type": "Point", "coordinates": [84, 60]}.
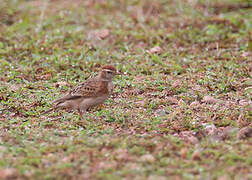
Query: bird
{"type": "Point", "coordinates": [89, 93]}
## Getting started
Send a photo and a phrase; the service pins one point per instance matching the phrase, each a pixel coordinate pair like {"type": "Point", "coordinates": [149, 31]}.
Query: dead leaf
{"type": "Point", "coordinates": [188, 136]}
{"type": "Point", "coordinates": [8, 173]}
{"type": "Point", "coordinates": [210, 100]}
{"type": "Point", "coordinates": [154, 177]}
{"type": "Point", "coordinates": [147, 158]}
{"type": "Point", "coordinates": [246, 54]}
{"type": "Point", "coordinates": [141, 45]}
{"type": "Point", "coordinates": [107, 165]}
{"type": "Point", "coordinates": [196, 155]}
{"type": "Point", "coordinates": [60, 84]}
{"type": "Point", "coordinates": [193, 140]}
{"type": "Point", "coordinates": [46, 76]}
{"type": "Point", "coordinates": [15, 87]}
{"type": "Point", "coordinates": [155, 50]}
{"type": "Point", "coordinates": [172, 100]}
{"type": "Point", "coordinates": [183, 152]}
{"type": "Point", "coordinates": [95, 36]}
{"type": "Point", "coordinates": [140, 103]}
{"type": "Point", "coordinates": [176, 84]}
{"type": "Point", "coordinates": [242, 121]}
{"type": "Point", "coordinates": [210, 129]}
{"type": "Point", "coordinates": [245, 132]}
{"type": "Point", "coordinates": [181, 102]}
{"type": "Point", "coordinates": [224, 177]}
{"type": "Point", "coordinates": [244, 102]}
{"type": "Point", "coordinates": [104, 33]}
{"type": "Point", "coordinates": [122, 155]}
{"type": "Point", "coordinates": [160, 112]}
{"type": "Point", "coordinates": [195, 104]}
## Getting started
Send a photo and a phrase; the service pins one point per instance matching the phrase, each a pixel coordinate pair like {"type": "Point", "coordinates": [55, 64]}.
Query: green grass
{"type": "Point", "coordinates": [151, 128]}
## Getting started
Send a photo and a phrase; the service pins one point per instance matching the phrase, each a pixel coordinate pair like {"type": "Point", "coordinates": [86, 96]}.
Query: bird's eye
{"type": "Point", "coordinates": [109, 72]}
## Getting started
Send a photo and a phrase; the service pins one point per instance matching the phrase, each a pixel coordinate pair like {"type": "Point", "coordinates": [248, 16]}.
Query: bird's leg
{"type": "Point", "coordinates": [81, 112]}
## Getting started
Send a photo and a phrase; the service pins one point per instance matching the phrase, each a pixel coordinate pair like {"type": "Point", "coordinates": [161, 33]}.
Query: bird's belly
{"type": "Point", "coordinates": [90, 102]}
{"type": "Point", "coordinates": [71, 104]}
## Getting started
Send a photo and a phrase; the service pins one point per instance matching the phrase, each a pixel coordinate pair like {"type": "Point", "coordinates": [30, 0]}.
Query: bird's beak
{"type": "Point", "coordinates": [118, 73]}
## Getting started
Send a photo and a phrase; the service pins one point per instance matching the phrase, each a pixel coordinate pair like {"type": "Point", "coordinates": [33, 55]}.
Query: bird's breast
{"type": "Point", "coordinates": [90, 102]}
{"type": "Point", "coordinates": [110, 87]}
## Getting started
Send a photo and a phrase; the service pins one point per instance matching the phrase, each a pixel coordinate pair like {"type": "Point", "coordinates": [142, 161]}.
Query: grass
{"type": "Point", "coordinates": [157, 124]}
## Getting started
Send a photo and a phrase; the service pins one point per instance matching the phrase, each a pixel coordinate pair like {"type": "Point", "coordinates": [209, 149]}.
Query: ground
{"type": "Point", "coordinates": [180, 110]}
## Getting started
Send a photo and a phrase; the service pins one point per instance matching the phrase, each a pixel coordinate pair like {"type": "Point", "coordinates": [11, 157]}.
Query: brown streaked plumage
{"type": "Point", "coordinates": [92, 92]}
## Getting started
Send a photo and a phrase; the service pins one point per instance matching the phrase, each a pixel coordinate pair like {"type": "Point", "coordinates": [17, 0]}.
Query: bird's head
{"type": "Point", "coordinates": [108, 72]}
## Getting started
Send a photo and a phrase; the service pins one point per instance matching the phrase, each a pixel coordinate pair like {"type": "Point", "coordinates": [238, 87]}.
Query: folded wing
{"type": "Point", "coordinates": [90, 88]}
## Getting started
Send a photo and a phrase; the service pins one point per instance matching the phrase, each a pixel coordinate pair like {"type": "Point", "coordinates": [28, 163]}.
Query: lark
{"type": "Point", "coordinates": [90, 93]}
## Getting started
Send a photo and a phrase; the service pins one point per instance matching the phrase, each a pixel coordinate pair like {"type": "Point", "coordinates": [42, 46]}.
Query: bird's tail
{"type": "Point", "coordinates": [57, 105]}
{"type": "Point", "coordinates": [48, 111]}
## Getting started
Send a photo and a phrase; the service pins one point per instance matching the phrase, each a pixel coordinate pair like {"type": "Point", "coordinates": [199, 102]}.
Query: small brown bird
{"type": "Point", "coordinates": [92, 92]}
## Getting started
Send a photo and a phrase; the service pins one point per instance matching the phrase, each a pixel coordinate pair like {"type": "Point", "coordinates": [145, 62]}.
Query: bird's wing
{"type": "Point", "coordinates": [89, 88]}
